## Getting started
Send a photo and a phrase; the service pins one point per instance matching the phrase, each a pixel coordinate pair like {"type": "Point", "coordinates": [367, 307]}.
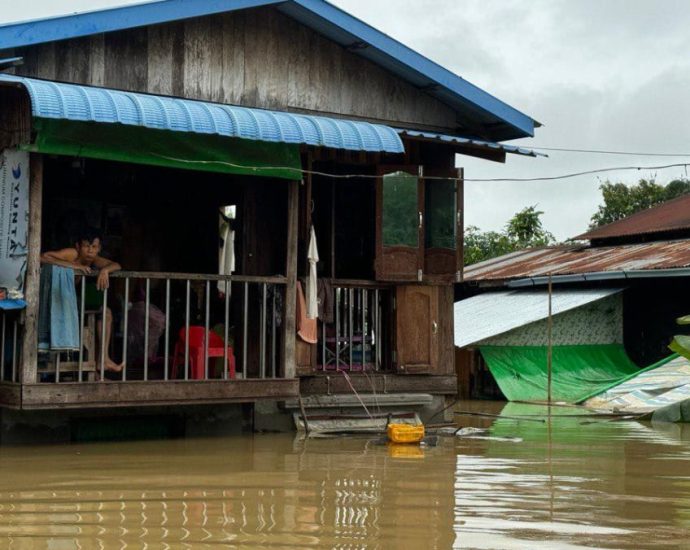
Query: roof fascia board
{"type": "Point", "coordinates": [424, 67]}
{"type": "Point", "coordinates": [29, 33]}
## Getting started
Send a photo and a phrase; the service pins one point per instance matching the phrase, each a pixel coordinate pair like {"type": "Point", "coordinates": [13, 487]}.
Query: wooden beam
{"type": "Point", "coordinates": [287, 351]}
{"type": "Point", "coordinates": [10, 395]}
{"type": "Point", "coordinates": [33, 267]}
{"type": "Point", "coordinates": [379, 383]}
{"type": "Point", "coordinates": [86, 395]}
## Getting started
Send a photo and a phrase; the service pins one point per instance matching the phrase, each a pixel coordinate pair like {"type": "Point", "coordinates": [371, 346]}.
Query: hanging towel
{"type": "Point", "coordinates": [226, 253]}
{"type": "Point", "coordinates": [306, 328]}
{"type": "Point", "coordinates": [58, 321]}
{"type": "Point", "coordinates": [313, 257]}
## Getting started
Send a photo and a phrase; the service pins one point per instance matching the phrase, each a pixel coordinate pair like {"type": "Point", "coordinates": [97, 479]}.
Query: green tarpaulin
{"type": "Point", "coordinates": [191, 151]}
{"type": "Point", "coordinates": [577, 371]}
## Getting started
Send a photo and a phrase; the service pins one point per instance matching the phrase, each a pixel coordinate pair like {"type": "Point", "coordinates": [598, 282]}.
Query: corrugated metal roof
{"type": "Point", "coordinates": [566, 260]}
{"type": "Point", "coordinates": [493, 313]}
{"type": "Point", "coordinates": [91, 104]}
{"type": "Point", "coordinates": [669, 216]}
{"type": "Point", "coordinates": [499, 120]}
{"type": "Point", "coordinates": [470, 143]}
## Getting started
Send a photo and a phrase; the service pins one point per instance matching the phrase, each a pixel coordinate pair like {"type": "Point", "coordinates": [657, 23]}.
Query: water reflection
{"type": "Point", "coordinates": [570, 483]}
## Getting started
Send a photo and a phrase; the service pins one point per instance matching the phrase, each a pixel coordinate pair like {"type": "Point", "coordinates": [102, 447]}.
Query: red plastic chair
{"type": "Point", "coordinates": [216, 348]}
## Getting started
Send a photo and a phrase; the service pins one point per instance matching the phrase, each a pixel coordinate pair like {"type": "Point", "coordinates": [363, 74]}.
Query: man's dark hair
{"type": "Point", "coordinates": [89, 234]}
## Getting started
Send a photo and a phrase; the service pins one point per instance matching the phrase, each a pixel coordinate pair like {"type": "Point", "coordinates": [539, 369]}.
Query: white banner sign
{"type": "Point", "coordinates": [14, 222]}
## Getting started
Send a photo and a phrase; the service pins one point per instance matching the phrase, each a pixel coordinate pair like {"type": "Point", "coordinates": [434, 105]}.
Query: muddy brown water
{"type": "Point", "coordinates": [568, 483]}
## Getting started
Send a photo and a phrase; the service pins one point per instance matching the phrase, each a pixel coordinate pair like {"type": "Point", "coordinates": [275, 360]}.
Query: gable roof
{"type": "Point", "coordinates": [668, 216]}
{"type": "Point", "coordinates": [499, 120]}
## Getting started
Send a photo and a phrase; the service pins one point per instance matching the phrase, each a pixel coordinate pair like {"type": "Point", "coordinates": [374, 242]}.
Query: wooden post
{"type": "Point", "coordinates": [549, 330]}
{"type": "Point", "coordinates": [289, 320]}
{"type": "Point", "coordinates": [33, 266]}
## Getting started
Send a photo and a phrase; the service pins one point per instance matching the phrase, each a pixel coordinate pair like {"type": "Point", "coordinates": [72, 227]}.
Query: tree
{"type": "Point", "coordinates": [523, 230]}
{"type": "Point", "coordinates": [620, 201]}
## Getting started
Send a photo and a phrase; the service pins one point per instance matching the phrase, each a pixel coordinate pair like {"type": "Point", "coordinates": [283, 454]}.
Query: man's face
{"type": "Point", "coordinates": [89, 250]}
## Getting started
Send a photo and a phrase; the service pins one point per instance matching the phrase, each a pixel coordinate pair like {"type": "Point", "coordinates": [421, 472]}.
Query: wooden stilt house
{"type": "Point", "coordinates": [148, 121]}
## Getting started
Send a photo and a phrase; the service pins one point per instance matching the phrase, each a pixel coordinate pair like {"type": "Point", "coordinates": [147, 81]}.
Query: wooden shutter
{"type": "Point", "coordinates": [443, 225]}
{"type": "Point", "coordinates": [399, 224]}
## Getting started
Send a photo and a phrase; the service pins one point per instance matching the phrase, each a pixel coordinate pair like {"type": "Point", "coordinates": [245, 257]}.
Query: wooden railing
{"type": "Point", "coordinates": [174, 326]}
{"type": "Point", "coordinates": [358, 337]}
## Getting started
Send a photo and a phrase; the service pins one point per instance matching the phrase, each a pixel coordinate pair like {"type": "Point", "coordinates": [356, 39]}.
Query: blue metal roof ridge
{"type": "Point", "coordinates": [514, 149]}
{"type": "Point", "coordinates": [57, 100]}
{"type": "Point", "coordinates": [390, 53]}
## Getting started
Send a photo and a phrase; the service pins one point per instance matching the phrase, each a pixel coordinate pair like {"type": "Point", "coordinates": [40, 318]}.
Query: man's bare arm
{"type": "Point", "coordinates": [105, 267]}
{"type": "Point", "coordinates": [66, 258]}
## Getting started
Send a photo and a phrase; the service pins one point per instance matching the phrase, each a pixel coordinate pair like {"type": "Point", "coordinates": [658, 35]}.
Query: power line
{"type": "Point", "coordinates": [300, 171]}
{"type": "Point", "coordinates": [586, 173]}
{"type": "Point", "coordinates": [605, 152]}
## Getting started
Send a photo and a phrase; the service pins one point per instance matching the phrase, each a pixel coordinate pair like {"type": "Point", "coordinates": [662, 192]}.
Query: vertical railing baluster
{"type": "Point", "coordinates": [323, 344]}
{"type": "Point", "coordinates": [167, 330]}
{"type": "Point", "coordinates": [337, 328]}
{"type": "Point", "coordinates": [262, 361]}
{"type": "Point", "coordinates": [14, 352]}
{"type": "Point", "coordinates": [207, 335]}
{"type": "Point", "coordinates": [350, 319]}
{"type": "Point", "coordinates": [103, 327]}
{"type": "Point", "coordinates": [82, 303]}
{"type": "Point", "coordinates": [363, 303]}
{"type": "Point", "coordinates": [226, 322]}
{"type": "Point", "coordinates": [377, 333]}
{"type": "Point", "coordinates": [125, 327]}
{"type": "Point", "coordinates": [2, 357]}
{"type": "Point", "coordinates": [273, 333]}
{"type": "Point", "coordinates": [147, 308]}
{"type": "Point", "coordinates": [186, 333]}
{"type": "Point", "coordinates": [244, 330]}
{"type": "Point", "coordinates": [57, 367]}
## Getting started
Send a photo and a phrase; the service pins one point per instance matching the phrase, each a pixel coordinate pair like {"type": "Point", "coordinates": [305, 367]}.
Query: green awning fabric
{"type": "Point", "coordinates": [577, 371]}
{"type": "Point", "coordinates": [190, 151]}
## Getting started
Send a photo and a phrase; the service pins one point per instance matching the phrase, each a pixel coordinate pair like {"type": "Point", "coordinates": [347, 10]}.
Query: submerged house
{"type": "Point", "coordinates": [161, 122]}
{"type": "Point", "coordinates": [616, 296]}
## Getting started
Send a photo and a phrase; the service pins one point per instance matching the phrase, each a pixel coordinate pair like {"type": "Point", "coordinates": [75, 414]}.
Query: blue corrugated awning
{"type": "Point", "coordinates": [470, 143]}
{"type": "Point", "coordinates": [56, 100]}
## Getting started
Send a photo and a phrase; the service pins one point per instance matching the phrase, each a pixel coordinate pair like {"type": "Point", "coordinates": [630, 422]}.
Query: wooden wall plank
{"type": "Point", "coordinates": [379, 383]}
{"type": "Point", "coordinates": [232, 72]}
{"type": "Point", "coordinates": [126, 53]}
{"type": "Point", "coordinates": [160, 59]}
{"type": "Point", "coordinates": [203, 57]}
{"type": "Point", "coordinates": [131, 394]}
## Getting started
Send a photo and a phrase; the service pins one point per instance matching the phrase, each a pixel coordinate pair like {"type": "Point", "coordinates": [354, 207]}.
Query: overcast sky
{"type": "Point", "coordinates": [611, 74]}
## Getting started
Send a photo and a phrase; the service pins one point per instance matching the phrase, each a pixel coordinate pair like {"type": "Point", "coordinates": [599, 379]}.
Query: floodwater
{"type": "Point", "coordinates": [569, 483]}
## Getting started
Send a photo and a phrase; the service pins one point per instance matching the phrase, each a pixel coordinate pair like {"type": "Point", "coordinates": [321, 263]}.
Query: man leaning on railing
{"type": "Point", "coordinates": [84, 258]}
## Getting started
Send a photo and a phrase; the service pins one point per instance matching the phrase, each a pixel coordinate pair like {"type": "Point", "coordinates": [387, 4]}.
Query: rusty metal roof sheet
{"type": "Point", "coordinates": [574, 259]}
{"type": "Point", "coordinates": [668, 216]}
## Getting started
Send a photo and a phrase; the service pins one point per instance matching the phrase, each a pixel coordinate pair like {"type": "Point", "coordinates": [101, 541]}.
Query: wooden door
{"type": "Point", "coordinates": [442, 225]}
{"type": "Point", "coordinates": [399, 224]}
{"type": "Point", "coordinates": [417, 329]}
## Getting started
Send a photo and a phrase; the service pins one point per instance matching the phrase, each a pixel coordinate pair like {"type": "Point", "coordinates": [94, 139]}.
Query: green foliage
{"type": "Point", "coordinates": [523, 230]}
{"type": "Point", "coordinates": [621, 201]}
